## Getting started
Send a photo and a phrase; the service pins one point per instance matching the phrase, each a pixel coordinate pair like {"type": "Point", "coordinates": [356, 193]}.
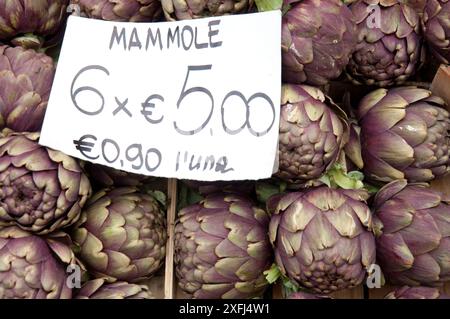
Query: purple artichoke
{"type": "Point", "coordinates": [121, 10]}
{"type": "Point", "coordinates": [412, 224]}
{"type": "Point", "coordinates": [122, 235]}
{"type": "Point", "coordinates": [404, 134]}
{"type": "Point", "coordinates": [40, 17]}
{"type": "Point", "coordinates": [311, 134]}
{"type": "Point", "coordinates": [32, 267]}
{"type": "Point", "coordinates": [389, 44]}
{"type": "Point", "coordinates": [189, 9]}
{"type": "Point", "coordinates": [26, 78]}
{"type": "Point", "coordinates": [318, 37]}
{"type": "Point", "coordinates": [41, 190]}
{"type": "Point", "coordinates": [100, 289]}
{"type": "Point", "coordinates": [406, 292]}
{"type": "Point", "coordinates": [322, 238]}
{"type": "Point", "coordinates": [222, 248]}
{"type": "Point", "coordinates": [436, 28]}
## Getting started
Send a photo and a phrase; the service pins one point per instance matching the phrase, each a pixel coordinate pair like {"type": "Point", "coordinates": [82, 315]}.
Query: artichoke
{"type": "Point", "coordinates": [121, 10]}
{"type": "Point", "coordinates": [105, 176]}
{"type": "Point", "coordinates": [41, 190]}
{"type": "Point", "coordinates": [189, 9]}
{"type": "Point", "coordinates": [318, 38]}
{"type": "Point", "coordinates": [412, 225]}
{"type": "Point", "coordinates": [404, 134]}
{"type": "Point", "coordinates": [122, 235]}
{"type": "Point", "coordinates": [311, 135]}
{"type": "Point", "coordinates": [39, 17]}
{"type": "Point", "coordinates": [406, 292]}
{"type": "Point", "coordinates": [322, 238]}
{"type": "Point", "coordinates": [222, 248]}
{"type": "Point", "coordinates": [436, 28]}
{"type": "Point", "coordinates": [389, 46]}
{"type": "Point", "coordinates": [100, 289]}
{"type": "Point", "coordinates": [26, 78]}
{"type": "Point", "coordinates": [32, 267]}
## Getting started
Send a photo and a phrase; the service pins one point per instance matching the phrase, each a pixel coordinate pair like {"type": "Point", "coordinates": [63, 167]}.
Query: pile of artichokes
{"type": "Point", "coordinates": [362, 138]}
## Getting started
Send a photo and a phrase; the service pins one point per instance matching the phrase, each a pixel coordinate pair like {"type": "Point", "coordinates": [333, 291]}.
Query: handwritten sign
{"type": "Point", "coordinates": [192, 99]}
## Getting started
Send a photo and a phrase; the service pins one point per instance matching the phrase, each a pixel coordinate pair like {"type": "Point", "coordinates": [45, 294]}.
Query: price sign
{"type": "Point", "coordinates": [194, 99]}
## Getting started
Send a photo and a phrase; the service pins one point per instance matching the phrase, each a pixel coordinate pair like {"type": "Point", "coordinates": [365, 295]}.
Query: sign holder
{"type": "Point", "coordinates": [169, 279]}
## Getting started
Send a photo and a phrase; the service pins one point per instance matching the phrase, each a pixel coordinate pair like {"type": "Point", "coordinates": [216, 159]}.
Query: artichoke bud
{"type": "Point", "coordinates": [323, 238]}
{"type": "Point", "coordinates": [404, 135]}
{"type": "Point", "coordinates": [222, 249]}
{"type": "Point", "coordinates": [27, 77]}
{"type": "Point", "coordinates": [389, 50]}
{"type": "Point", "coordinates": [122, 235]}
{"type": "Point", "coordinates": [313, 131]}
{"type": "Point", "coordinates": [412, 227]}
{"type": "Point", "coordinates": [318, 38]}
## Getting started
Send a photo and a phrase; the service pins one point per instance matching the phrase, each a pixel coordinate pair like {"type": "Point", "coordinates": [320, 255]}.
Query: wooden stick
{"type": "Point", "coordinates": [380, 293]}
{"type": "Point", "coordinates": [171, 214]}
{"type": "Point", "coordinates": [354, 293]}
{"type": "Point", "coordinates": [277, 292]}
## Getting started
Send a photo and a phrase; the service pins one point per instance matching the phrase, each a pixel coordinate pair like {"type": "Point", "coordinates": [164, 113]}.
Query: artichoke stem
{"type": "Point", "coordinates": [265, 190]}
{"type": "Point", "coordinates": [268, 5]}
{"type": "Point", "coordinates": [272, 274]}
{"type": "Point", "coordinates": [336, 177]}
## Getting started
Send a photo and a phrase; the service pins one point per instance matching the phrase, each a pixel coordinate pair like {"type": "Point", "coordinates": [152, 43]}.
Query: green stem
{"type": "Point", "coordinates": [337, 177]}
{"type": "Point", "coordinates": [265, 190]}
{"type": "Point", "coordinates": [268, 5]}
{"type": "Point", "coordinates": [272, 274]}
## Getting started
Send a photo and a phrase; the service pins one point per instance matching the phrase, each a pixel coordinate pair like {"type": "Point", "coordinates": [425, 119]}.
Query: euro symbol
{"type": "Point", "coordinates": [148, 107]}
{"type": "Point", "coordinates": [86, 147]}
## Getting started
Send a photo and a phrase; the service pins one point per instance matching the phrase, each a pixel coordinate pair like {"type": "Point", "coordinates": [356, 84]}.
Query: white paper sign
{"type": "Point", "coordinates": [194, 99]}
